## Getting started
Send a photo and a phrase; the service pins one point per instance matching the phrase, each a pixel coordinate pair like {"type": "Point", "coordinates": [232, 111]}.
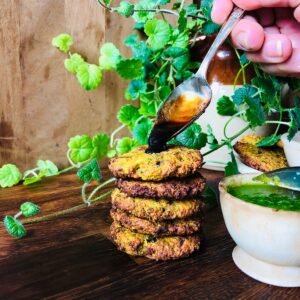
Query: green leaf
{"type": "Point", "coordinates": [100, 144]}
{"type": "Point", "coordinates": [231, 167]}
{"type": "Point", "coordinates": [135, 88]}
{"type": "Point", "coordinates": [269, 141]}
{"type": "Point", "coordinates": [243, 93]}
{"type": "Point", "coordinates": [31, 180]}
{"type": "Point", "coordinates": [225, 107]}
{"type": "Point", "coordinates": [243, 59]}
{"type": "Point", "coordinates": [174, 52]}
{"type": "Point", "coordinates": [72, 63]}
{"type": "Point", "coordinates": [89, 76]}
{"type": "Point", "coordinates": [294, 124]}
{"type": "Point", "coordinates": [111, 153]}
{"type": "Point", "coordinates": [125, 145]}
{"type": "Point", "coordinates": [48, 166]}
{"type": "Point", "coordinates": [211, 139]}
{"type": "Point", "coordinates": [141, 130]}
{"type": "Point", "coordinates": [192, 137]}
{"type": "Point", "coordinates": [130, 68]}
{"type": "Point", "coordinates": [29, 209]}
{"type": "Point", "coordinates": [255, 113]}
{"type": "Point", "coordinates": [142, 16]}
{"type": "Point", "coordinates": [89, 172]}
{"type": "Point", "coordinates": [158, 32]}
{"type": "Point", "coordinates": [209, 198]}
{"type": "Point", "coordinates": [126, 9]}
{"type": "Point", "coordinates": [128, 115]}
{"type": "Point", "coordinates": [182, 20]}
{"type": "Point", "coordinates": [164, 92]}
{"type": "Point", "coordinates": [14, 227]}
{"type": "Point", "coordinates": [148, 108]}
{"type": "Point", "coordinates": [109, 56]}
{"type": "Point", "coordinates": [10, 175]}
{"type": "Point", "coordinates": [81, 148]}
{"type": "Point", "coordinates": [206, 7]}
{"type": "Point", "coordinates": [63, 42]}
{"type": "Point", "coordinates": [181, 40]}
{"type": "Point", "coordinates": [210, 28]}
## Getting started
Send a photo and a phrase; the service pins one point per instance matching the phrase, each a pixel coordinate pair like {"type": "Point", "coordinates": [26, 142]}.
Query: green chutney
{"type": "Point", "coordinates": [267, 195]}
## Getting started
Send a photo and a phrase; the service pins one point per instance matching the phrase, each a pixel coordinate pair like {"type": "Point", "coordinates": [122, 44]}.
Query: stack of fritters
{"type": "Point", "coordinates": [157, 203]}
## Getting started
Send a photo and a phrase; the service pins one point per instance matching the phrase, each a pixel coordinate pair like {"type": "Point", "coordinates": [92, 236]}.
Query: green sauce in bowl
{"type": "Point", "coordinates": [267, 195]}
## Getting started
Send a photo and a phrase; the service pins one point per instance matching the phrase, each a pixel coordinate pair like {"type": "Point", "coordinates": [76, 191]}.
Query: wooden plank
{"type": "Point", "coordinates": [42, 105]}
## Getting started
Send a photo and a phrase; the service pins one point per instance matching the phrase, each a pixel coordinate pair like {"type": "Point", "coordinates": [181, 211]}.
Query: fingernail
{"type": "Point", "coordinates": [274, 48]}
{"type": "Point", "coordinates": [243, 40]}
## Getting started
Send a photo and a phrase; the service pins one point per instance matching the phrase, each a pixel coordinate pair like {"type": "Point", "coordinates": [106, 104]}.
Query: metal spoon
{"type": "Point", "coordinates": [189, 100]}
{"type": "Point", "coordinates": [288, 178]}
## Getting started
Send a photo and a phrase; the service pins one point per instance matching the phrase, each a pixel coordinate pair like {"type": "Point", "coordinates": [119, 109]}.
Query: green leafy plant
{"type": "Point", "coordinates": [160, 61]}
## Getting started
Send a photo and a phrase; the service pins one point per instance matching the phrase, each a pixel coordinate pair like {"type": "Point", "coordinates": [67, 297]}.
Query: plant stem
{"type": "Point", "coordinates": [66, 170]}
{"type": "Point", "coordinates": [99, 188]}
{"type": "Point", "coordinates": [278, 122]}
{"type": "Point", "coordinates": [229, 121]}
{"type": "Point", "coordinates": [69, 158]}
{"type": "Point", "coordinates": [63, 212]}
{"type": "Point", "coordinates": [17, 215]}
{"type": "Point", "coordinates": [83, 193]}
{"type": "Point", "coordinates": [112, 136]}
{"type": "Point", "coordinates": [228, 140]}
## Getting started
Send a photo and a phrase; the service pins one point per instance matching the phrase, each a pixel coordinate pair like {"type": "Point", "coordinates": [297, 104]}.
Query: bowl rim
{"type": "Point", "coordinates": [222, 189]}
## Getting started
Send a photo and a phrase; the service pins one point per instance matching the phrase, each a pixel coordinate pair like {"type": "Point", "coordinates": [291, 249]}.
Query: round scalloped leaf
{"type": "Point", "coordinates": [63, 42]}
{"type": "Point", "coordinates": [10, 175]}
{"type": "Point", "coordinates": [14, 227]}
{"type": "Point", "coordinates": [130, 68]}
{"type": "Point", "coordinates": [89, 76]}
{"type": "Point", "coordinates": [29, 209]}
{"type": "Point", "coordinates": [81, 148]}
{"type": "Point", "coordinates": [109, 56]}
{"type": "Point", "coordinates": [72, 63]}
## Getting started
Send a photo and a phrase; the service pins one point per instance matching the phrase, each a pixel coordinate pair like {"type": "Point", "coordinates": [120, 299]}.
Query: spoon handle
{"type": "Point", "coordinates": [226, 29]}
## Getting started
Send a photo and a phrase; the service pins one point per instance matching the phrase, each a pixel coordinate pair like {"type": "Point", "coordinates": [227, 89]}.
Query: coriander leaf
{"type": "Point", "coordinates": [126, 9]}
{"type": "Point", "coordinates": [269, 141]}
{"type": "Point", "coordinates": [130, 68]}
{"type": "Point", "coordinates": [135, 88]}
{"type": "Point", "coordinates": [89, 76]}
{"type": "Point", "coordinates": [10, 175]}
{"type": "Point", "coordinates": [14, 227]}
{"type": "Point", "coordinates": [181, 62]}
{"type": "Point", "coordinates": [141, 130]}
{"type": "Point", "coordinates": [29, 209]}
{"type": "Point", "coordinates": [294, 124]}
{"type": "Point", "coordinates": [192, 137]}
{"type": "Point", "coordinates": [128, 115]}
{"type": "Point", "coordinates": [89, 172]}
{"type": "Point", "coordinates": [72, 63]}
{"type": "Point", "coordinates": [174, 52]}
{"type": "Point", "coordinates": [125, 145]}
{"type": "Point", "coordinates": [241, 93]}
{"type": "Point", "coordinates": [109, 56]}
{"type": "Point", "coordinates": [158, 32]}
{"type": "Point", "coordinates": [209, 198]}
{"type": "Point", "coordinates": [100, 144]}
{"type": "Point", "coordinates": [63, 42]}
{"type": "Point", "coordinates": [143, 15]}
{"type": "Point", "coordinates": [48, 166]}
{"type": "Point", "coordinates": [225, 107]}
{"type": "Point", "coordinates": [231, 167]}
{"type": "Point", "coordinates": [81, 148]}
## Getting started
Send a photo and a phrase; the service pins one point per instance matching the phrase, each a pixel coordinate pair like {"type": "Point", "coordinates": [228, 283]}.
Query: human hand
{"type": "Point", "coordinates": [269, 33]}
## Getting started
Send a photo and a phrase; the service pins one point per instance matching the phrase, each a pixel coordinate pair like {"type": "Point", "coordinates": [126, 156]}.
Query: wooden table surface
{"type": "Point", "coordinates": [72, 256]}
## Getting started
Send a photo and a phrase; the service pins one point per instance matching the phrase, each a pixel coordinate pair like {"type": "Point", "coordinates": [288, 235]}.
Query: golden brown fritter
{"type": "Point", "coordinates": [254, 139]}
{"type": "Point", "coordinates": [172, 189]}
{"type": "Point", "coordinates": [164, 248]}
{"type": "Point", "coordinates": [155, 210]}
{"type": "Point", "coordinates": [163, 228]}
{"type": "Point", "coordinates": [174, 162]}
{"type": "Point", "coordinates": [263, 159]}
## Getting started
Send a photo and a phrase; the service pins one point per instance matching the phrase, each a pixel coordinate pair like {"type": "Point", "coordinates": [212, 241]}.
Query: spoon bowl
{"type": "Point", "coordinates": [189, 100]}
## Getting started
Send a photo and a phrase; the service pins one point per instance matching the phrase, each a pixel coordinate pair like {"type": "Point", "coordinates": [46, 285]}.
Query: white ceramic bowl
{"type": "Point", "coordinates": [292, 149]}
{"type": "Point", "coordinates": [268, 241]}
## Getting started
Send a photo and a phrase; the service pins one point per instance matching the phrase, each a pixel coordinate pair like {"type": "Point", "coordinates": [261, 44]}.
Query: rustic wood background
{"type": "Point", "coordinates": [41, 104]}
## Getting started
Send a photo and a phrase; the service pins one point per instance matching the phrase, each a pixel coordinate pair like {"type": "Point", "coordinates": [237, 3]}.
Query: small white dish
{"type": "Point", "coordinates": [268, 240]}
{"type": "Point", "coordinates": [292, 149]}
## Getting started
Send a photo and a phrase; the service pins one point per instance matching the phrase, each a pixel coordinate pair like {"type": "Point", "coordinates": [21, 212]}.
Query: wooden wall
{"type": "Point", "coordinates": [41, 104]}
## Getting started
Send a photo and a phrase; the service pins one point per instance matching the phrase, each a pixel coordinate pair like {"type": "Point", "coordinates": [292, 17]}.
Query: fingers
{"type": "Point", "coordinates": [256, 4]}
{"type": "Point", "coordinates": [277, 48]}
{"type": "Point", "coordinates": [248, 35]}
{"type": "Point", "coordinates": [221, 10]}
{"type": "Point", "coordinates": [289, 68]}
{"type": "Point", "coordinates": [266, 17]}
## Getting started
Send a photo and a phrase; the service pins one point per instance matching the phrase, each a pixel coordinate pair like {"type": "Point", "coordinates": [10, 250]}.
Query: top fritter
{"type": "Point", "coordinates": [174, 162]}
